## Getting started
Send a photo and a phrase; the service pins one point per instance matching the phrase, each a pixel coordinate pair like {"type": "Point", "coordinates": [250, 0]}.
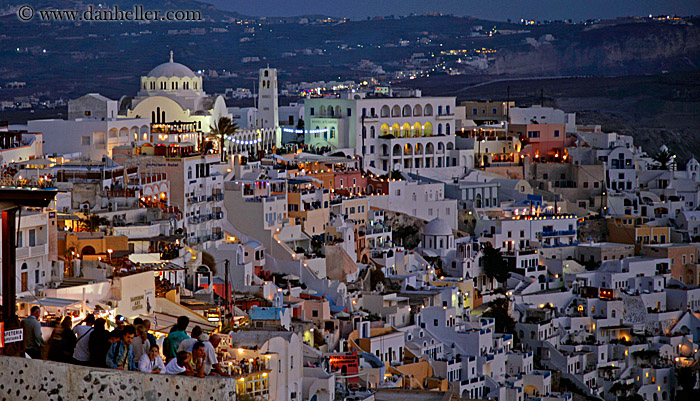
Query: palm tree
{"type": "Point", "coordinates": [223, 128]}
{"type": "Point", "coordinates": [663, 160]}
{"type": "Point", "coordinates": [494, 264]}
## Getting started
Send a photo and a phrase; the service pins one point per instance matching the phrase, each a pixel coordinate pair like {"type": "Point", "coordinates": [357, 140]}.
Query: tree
{"type": "Point", "coordinates": [494, 265]}
{"type": "Point", "coordinates": [663, 160]}
{"type": "Point", "coordinates": [686, 379]}
{"type": "Point", "coordinates": [499, 310]}
{"type": "Point", "coordinates": [396, 175]}
{"type": "Point", "coordinates": [223, 128]}
{"type": "Point", "coordinates": [376, 276]}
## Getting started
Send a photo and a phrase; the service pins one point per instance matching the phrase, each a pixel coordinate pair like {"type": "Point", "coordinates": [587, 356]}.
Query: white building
{"type": "Point", "coordinates": [172, 92]}
{"type": "Point", "coordinates": [423, 200]}
{"type": "Point", "coordinates": [524, 232]}
{"type": "Point", "coordinates": [92, 138]}
{"type": "Point", "coordinates": [405, 133]}
{"type": "Point", "coordinates": [36, 231]}
{"type": "Point", "coordinates": [282, 353]}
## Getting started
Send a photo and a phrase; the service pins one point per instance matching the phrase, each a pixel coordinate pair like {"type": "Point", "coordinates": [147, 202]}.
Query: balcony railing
{"type": "Point", "coordinates": [558, 233]}
{"type": "Point", "coordinates": [32, 251]}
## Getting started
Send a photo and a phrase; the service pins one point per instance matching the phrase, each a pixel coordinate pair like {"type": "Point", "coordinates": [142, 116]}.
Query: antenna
{"type": "Point", "coordinates": [508, 104]}
{"type": "Point", "coordinates": [542, 97]}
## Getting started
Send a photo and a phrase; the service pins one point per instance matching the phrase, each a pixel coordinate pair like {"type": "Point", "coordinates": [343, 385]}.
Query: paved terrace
{"type": "Point", "coordinates": [30, 379]}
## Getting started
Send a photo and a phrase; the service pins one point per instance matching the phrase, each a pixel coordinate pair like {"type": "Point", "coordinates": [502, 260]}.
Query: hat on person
{"type": "Point", "coordinates": [203, 337]}
{"type": "Point", "coordinates": [120, 318]}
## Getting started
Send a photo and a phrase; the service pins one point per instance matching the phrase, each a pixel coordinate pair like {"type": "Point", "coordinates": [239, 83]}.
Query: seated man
{"type": "Point", "coordinates": [198, 359]}
{"type": "Point", "coordinates": [211, 363]}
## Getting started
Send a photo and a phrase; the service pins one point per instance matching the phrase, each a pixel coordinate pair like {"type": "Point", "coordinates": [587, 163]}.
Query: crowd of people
{"type": "Point", "coordinates": [126, 347]}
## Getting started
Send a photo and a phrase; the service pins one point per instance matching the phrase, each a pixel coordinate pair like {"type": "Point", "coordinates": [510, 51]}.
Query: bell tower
{"type": "Point", "coordinates": [268, 108]}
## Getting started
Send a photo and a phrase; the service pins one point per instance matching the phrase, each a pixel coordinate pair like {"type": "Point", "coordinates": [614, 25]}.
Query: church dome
{"type": "Point", "coordinates": [438, 227]}
{"type": "Point", "coordinates": [171, 69]}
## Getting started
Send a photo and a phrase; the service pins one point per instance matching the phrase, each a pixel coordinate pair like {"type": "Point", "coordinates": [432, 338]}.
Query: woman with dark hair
{"type": "Point", "coordinates": [151, 362]}
{"type": "Point", "coordinates": [99, 344]}
{"type": "Point", "coordinates": [62, 342]}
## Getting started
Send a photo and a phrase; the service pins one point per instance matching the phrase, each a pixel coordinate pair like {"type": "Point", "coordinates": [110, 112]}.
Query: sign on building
{"type": "Point", "coordinates": [13, 336]}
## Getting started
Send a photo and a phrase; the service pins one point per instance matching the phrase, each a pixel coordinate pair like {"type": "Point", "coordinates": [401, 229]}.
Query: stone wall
{"type": "Point", "coordinates": [27, 379]}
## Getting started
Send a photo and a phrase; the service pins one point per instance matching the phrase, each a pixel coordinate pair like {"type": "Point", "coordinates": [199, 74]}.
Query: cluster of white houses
{"type": "Point", "coordinates": [597, 240]}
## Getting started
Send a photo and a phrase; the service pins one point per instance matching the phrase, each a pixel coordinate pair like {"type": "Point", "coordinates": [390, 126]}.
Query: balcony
{"type": "Point", "coordinates": [445, 116]}
{"type": "Point", "coordinates": [557, 233]}
{"type": "Point", "coordinates": [32, 251]}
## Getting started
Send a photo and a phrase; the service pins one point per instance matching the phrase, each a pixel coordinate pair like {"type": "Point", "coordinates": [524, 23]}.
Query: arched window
{"type": "Point", "coordinates": [266, 73]}
{"type": "Point", "coordinates": [384, 129]}
{"type": "Point", "coordinates": [371, 132]}
{"type": "Point", "coordinates": [406, 111]}
{"type": "Point", "coordinates": [439, 129]}
{"type": "Point", "coordinates": [158, 114]}
{"type": "Point", "coordinates": [332, 132]}
{"type": "Point", "coordinates": [447, 129]}
{"type": "Point", "coordinates": [153, 116]}
{"type": "Point", "coordinates": [385, 111]}
{"type": "Point", "coordinates": [439, 110]}
{"type": "Point", "coordinates": [428, 111]}
{"type": "Point", "coordinates": [364, 132]}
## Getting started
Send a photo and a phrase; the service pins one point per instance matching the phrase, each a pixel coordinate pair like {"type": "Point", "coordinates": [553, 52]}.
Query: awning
{"type": "Point", "coordinates": [48, 301]}
{"type": "Point", "coordinates": [163, 322]}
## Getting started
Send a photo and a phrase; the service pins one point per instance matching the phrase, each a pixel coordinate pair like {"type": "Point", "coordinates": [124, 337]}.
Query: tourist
{"type": "Point", "coordinates": [198, 359]}
{"type": "Point", "coordinates": [62, 342]}
{"type": "Point", "coordinates": [121, 354]}
{"type": "Point", "coordinates": [141, 344]}
{"type": "Point", "coordinates": [33, 339]}
{"type": "Point", "coordinates": [151, 362]}
{"type": "Point", "coordinates": [81, 355]}
{"type": "Point", "coordinates": [211, 363]}
{"type": "Point", "coordinates": [179, 364]}
{"type": "Point", "coordinates": [186, 344]}
{"type": "Point", "coordinates": [151, 337]}
{"type": "Point", "coordinates": [120, 321]}
{"type": "Point", "coordinates": [99, 344]}
{"type": "Point", "coordinates": [176, 336]}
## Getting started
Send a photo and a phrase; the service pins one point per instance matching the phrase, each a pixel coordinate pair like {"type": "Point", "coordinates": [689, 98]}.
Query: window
{"type": "Point", "coordinates": [32, 237]}
{"type": "Point", "coordinates": [311, 111]}
{"type": "Point", "coordinates": [556, 133]}
{"type": "Point", "coordinates": [85, 141]}
{"type": "Point", "coordinates": [315, 313]}
{"type": "Point", "coordinates": [349, 110]}
{"type": "Point", "coordinates": [435, 322]}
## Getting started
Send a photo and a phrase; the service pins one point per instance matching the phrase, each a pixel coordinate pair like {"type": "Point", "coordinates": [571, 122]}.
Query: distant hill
{"type": "Point", "coordinates": [654, 109]}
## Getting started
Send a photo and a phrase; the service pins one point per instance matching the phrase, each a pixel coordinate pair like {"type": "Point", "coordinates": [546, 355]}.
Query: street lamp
{"type": "Point", "coordinates": [109, 251]}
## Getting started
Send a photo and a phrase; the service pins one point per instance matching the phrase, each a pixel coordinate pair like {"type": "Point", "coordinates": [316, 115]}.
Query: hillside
{"type": "Point", "coordinates": [654, 109]}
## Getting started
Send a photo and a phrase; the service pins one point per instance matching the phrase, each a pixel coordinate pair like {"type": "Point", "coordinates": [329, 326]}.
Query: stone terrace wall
{"type": "Point", "coordinates": [27, 379]}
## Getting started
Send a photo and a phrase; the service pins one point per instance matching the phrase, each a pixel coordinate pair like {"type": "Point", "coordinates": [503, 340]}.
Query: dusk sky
{"type": "Point", "coordinates": [493, 9]}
